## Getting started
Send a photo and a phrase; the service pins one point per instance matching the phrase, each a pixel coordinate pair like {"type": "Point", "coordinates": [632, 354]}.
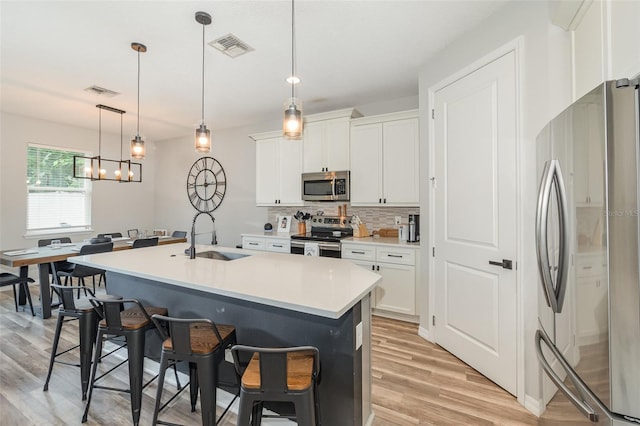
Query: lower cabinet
{"type": "Point", "coordinates": [275, 244]}
{"type": "Point", "coordinates": [396, 292]}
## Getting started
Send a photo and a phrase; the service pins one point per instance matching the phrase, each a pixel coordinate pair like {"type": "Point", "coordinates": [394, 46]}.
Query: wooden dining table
{"type": "Point", "coordinates": [44, 256]}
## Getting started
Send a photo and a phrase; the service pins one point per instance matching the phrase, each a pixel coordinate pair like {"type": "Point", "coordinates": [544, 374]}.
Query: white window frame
{"type": "Point", "coordinates": [63, 227]}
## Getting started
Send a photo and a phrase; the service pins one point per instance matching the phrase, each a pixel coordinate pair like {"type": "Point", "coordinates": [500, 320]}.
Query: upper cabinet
{"type": "Point", "coordinates": [278, 169]}
{"type": "Point", "coordinates": [605, 42]}
{"type": "Point", "coordinates": [326, 141]}
{"type": "Point", "coordinates": [384, 160]}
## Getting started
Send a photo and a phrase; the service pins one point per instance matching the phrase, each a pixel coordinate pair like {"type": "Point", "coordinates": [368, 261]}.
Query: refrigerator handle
{"type": "Point", "coordinates": [584, 408]}
{"type": "Point", "coordinates": [563, 256]}
{"type": "Point", "coordinates": [542, 250]}
{"type": "Point", "coordinates": [552, 179]}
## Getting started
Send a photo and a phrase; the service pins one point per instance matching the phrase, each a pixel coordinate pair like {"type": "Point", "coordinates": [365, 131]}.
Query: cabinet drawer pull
{"type": "Point", "coordinates": [395, 255]}
{"type": "Point", "coordinates": [277, 245]}
{"type": "Point", "coordinates": [253, 244]}
{"type": "Point", "coordinates": [356, 252]}
{"type": "Point", "coordinates": [587, 267]}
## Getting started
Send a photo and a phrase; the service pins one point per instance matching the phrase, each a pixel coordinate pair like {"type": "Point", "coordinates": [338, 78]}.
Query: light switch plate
{"type": "Point", "coordinates": [398, 220]}
{"type": "Point", "coordinates": [358, 335]}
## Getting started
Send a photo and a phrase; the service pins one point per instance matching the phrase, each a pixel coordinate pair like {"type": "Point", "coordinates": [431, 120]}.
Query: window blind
{"type": "Point", "coordinates": [55, 199]}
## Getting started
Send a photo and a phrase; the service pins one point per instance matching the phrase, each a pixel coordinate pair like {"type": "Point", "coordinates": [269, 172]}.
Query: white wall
{"type": "Point", "coordinates": [545, 90]}
{"type": "Point", "coordinates": [115, 206]}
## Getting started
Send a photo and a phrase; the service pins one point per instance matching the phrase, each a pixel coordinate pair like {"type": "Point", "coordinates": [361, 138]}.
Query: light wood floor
{"type": "Point", "coordinates": [414, 382]}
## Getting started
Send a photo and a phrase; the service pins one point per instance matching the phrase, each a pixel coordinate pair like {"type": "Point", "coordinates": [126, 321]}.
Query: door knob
{"type": "Point", "coordinates": [506, 263]}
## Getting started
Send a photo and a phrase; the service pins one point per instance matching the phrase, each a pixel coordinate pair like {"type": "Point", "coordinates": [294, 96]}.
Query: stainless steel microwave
{"type": "Point", "coordinates": [326, 186]}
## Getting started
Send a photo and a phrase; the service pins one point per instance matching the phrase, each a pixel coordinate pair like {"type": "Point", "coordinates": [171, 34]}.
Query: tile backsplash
{"type": "Point", "coordinates": [373, 217]}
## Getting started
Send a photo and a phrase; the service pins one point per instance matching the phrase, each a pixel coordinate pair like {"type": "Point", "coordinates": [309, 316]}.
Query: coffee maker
{"type": "Point", "coordinates": [414, 228]}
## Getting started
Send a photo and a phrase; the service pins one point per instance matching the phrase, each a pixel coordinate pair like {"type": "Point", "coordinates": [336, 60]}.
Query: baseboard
{"type": "Point", "coordinates": [393, 315]}
{"type": "Point", "coordinates": [425, 334]}
{"type": "Point", "coordinates": [534, 405]}
{"type": "Point", "coordinates": [370, 420]}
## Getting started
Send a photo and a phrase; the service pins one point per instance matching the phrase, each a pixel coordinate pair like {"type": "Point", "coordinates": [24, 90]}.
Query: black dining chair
{"type": "Point", "coordinates": [81, 271]}
{"type": "Point", "coordinates": [145, 242]}
{"type": "Point", "coordinates": [61, 265]}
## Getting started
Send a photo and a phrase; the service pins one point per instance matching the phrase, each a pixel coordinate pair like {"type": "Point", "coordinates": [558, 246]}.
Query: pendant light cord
{"type": "Point", "coordinates": [100, 132]}
{"type": "Point", "coordinates": [120, 140]}
{"type": "Point", "coordinates": [138, 125]}
{"type": "Point", "coordinates": [293, 54]}
{"type": "Point", "coordinates": [203, 73]}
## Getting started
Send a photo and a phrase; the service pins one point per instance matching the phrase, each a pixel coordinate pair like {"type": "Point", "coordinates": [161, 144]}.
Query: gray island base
{"type": "Point", "coordinates": [343, 337]}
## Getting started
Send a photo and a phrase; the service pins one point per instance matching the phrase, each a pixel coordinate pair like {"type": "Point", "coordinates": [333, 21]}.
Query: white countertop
{"type": "Point", "coordinates": [314, 285]}
{"type": "Point", "coordinates": [384, 241]}
{"type": "Point", "coordinates": [272, 234]}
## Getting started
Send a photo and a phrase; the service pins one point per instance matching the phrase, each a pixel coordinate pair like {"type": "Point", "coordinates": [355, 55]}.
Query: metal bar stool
{"type": "Point", "coordinates": [13, 280]}
{"type": "Point", "coordinates": [279, 374]}
{"type": "Point", "coordinates": [84, 312]}
{"type": "Point", "coordinates": [132, 324]}
{"type": "Point", "coordinates": [202, 344]}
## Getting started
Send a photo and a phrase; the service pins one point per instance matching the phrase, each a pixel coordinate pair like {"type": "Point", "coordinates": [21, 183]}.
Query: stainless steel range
{"type": "Point", "coordinates": [326, 232]}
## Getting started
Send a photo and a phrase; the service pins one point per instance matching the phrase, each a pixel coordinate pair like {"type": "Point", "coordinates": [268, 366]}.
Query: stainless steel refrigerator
{"type": "Point", "coordinates": [587, 241]}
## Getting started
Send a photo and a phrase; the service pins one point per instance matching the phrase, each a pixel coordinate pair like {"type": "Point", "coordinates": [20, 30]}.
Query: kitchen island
{"type": "Point", "coordinates": [272, 300]}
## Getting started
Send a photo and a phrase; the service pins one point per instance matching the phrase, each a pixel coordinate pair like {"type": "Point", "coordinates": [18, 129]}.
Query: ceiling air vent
{"type": "Point", "coordinates": [101, 91]}
{"type": "Point", "coordinates": [231, 46]}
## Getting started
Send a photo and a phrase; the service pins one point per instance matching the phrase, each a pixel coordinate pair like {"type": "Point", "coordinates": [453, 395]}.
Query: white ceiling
{"type": "Point", "coordinates": [348, 53]}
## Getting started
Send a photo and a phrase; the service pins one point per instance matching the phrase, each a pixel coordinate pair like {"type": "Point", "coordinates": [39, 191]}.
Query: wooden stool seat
{"type": "Point", "coordinates": [278, 375]}
{"type": "Point", "coordinates": [134, 318]}
{"type": "Point", "coordinates": [299, 371]}
{"type": "Point", "coordinates": [202, 337]}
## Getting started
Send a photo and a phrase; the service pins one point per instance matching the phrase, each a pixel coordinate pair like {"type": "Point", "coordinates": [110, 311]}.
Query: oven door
{"type": "Point", "coordinates": [325, 249]}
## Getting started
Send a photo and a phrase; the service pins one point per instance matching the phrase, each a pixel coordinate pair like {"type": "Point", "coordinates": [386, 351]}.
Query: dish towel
{"type": "Point", "coordinates": [311, 249]}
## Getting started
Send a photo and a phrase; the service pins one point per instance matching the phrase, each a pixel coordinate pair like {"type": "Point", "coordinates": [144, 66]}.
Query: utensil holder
{"type": "Point", "coordinates": [302, 228]}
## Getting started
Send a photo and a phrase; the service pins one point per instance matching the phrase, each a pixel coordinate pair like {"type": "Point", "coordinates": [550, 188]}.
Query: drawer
{"type": "Point", "coordinates": [253, 243]}
{"type": "Point", "coordinates": [396, 255]}
{"type": "Point", "coordinates": [280, 246]}
{"type": "Point", "coordinates": [358, 252]}
{"type": "Point", "coordinates": [589, 266]}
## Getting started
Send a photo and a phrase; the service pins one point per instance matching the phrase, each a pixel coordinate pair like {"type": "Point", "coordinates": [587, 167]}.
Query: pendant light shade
{"type": "Point", "coordinates": [292, 123]}
{"type": "Point", "coordinates": [203, 135]}
{"type": "Point", "coordinates": [137, 144]}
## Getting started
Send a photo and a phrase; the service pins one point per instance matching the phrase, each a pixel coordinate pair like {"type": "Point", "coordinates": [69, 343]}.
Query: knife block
{"type": "Point", "coordinates": [360, 231]}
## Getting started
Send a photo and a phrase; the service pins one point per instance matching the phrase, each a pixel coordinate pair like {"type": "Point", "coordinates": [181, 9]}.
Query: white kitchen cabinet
{"type": "Point", "coordinates": [396, 292]}
{"type": "Point", "coordinates": [384, 160]}
{"type": "Point", "coordinates": [267, 243]}
{"type": "Point", "coordinates": [278, 169]}
{"type": "Point", "coordinates": [604, 43]}
{"type": "Point", "coordinates": [326, 141]}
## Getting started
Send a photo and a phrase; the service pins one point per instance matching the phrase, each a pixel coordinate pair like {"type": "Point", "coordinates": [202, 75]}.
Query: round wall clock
{"type": "Point", "coordinates": [206, 184]}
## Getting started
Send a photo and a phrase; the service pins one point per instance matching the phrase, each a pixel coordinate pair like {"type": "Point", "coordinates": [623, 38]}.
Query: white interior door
{"type": "Point", "coordinates": [475, 219]}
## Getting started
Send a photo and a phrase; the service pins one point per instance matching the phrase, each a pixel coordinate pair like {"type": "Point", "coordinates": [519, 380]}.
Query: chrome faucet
{"type": "Point", "coordinates": [214, 240]}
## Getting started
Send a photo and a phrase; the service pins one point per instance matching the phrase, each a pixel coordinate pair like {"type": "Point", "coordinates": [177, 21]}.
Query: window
{"type": "Point", "coordinates": [55, 199]}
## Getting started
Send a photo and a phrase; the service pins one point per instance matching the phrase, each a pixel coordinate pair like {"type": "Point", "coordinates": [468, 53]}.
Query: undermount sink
{"type": "Point", "coordinates": [219, 255]}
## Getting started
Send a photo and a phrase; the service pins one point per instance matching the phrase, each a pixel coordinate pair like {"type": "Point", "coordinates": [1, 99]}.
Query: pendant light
{"type": "Point", "coordinates": [203, 135]}
{"type": "Point", "coordinates": [292, 123]}
{"type": "Point", "coordinates": [101, 168]}
{"type": "Point", "coordinates": [137, 144]}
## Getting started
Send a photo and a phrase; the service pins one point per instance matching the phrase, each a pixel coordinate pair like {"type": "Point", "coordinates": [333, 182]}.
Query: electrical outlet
{"type": "Point", "coordinates": [398, 220]}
